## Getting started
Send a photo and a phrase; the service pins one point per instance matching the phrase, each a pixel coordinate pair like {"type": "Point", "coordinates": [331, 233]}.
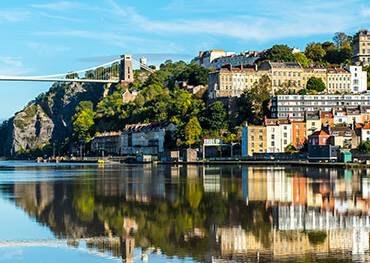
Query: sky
{"type": "Point", "coordinates": [40, 37]}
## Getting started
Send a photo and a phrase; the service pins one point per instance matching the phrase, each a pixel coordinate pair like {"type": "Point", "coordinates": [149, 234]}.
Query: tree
{"type": "Point", "coordinates": [302, 59]}
{"type": "Point", "coordinates": [364, 147]}
{"type": "Point", "coordinates": [280, 53]}
{"type": "Point", "coordinates": [192, 131]}
{"type": "Point", "coordinates": [338, 55]}
{"type": "Point", "coordinates": [215, 116]}
{"type": "Point", "coordinates": [83, 121]}
{"type": "Point", "coordinates": [315, 84]}
{"type": "Point", "coordinates": [315, 52]}
{"type": "Point", "coordinates": [340, 39]}
{"type": "Point", "coordinates": [290, 149]}
{"type": "Point", "coordinates": [253, 104]}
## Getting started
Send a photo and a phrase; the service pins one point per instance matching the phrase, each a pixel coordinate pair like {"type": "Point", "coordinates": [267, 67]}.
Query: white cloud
{"type": "Point", "coordinates": [13, 66]}
{"type": "Point", "coordinates": [58, 6]}
{"type": "Point", "coordinates": [13, 15]}
{"type": "Point", "coordinates": [277, 22]}
{"type": "Point", "coordinates": [123, 41]}
{"type": "Point", "coordinates": [365, 12]}
{"type": "Point", "coordinates": [43, 48]}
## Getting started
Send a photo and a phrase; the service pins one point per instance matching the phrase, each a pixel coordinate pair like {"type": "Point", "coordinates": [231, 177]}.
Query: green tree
{"type": "Point", "coordinates": [215, 116]}
{"type": "Point", "coordinates": [253, 104]}
{"type": "Point", "coordinates": [364, 147]}
{"type": "Point", "coordinates": [279, 53]}
{"type": "Point", "coordinates": [315, 84]}
{"type": "Point", "coordinates": [340, 39]}
{"type": "Point", "coordinates": [192, 131]}
{"type": "Point", "coordinates": [315, 52]}
{"type": "Point", "coordinates": [290, 149]}
{"type": "Point", "coordinates": [302, 59]}
{"type": "Point", "coordinates": [83, 121]}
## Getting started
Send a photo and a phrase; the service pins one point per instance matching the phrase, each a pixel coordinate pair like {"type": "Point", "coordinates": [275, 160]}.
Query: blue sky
{"type": "Point", "coordinates": [46, 37]}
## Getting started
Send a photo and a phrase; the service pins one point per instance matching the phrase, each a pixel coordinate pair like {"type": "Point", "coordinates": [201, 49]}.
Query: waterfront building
{"type": "Point", "coordinates": [321, 146]}
{"type": "Point", "coordinates": [298, 134]}
{"type": "Point", "coordinates": [107, 143]}
{"type": "Point", "coordinates": [296, 106]}
{"type": "Point", "coordinates": [147, 139]}
{"type": "Point", "coordinates": [361, 47]}
{"type": "Point", "coordinates": [278, 135]}
{"type": "Point", "coordinates": [344, 137]}
{"type": "Point", "coordinates": [313, 123]}
{"type": "Point", "coordinates": [254, 139]}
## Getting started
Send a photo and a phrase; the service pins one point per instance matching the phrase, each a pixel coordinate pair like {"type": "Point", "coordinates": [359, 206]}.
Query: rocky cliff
{"type": "Point", "coordinates": [47, 119]}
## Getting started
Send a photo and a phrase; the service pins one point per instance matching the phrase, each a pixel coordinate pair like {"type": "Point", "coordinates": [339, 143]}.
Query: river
{"type": "Point", "coordinates": [159, 213]}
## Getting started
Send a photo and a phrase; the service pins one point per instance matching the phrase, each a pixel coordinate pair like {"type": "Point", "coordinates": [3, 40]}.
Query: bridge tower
{"type": "Point", "coordinates": [126, 73]}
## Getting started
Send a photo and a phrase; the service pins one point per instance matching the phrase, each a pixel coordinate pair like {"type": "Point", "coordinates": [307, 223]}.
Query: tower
{"type": "Point", "coordinates": [127, 248]}
{"type": "Point", "coordinates": [126, 73]}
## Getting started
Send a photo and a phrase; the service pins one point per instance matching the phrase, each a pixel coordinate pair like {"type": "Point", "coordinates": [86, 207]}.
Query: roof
{"type": "Point", "coordinates": [273, 122]}
{"type": "Point", "coordinates": [342, 131]}
{"type": "Point", "coordinates": [320, 133]}
{"type": "Point", "coordinates": [338, 70]}
{"type": "Point", "coordinates": [108, 134]}
{"type": "Point", "coordinates": [138, 127]}
{"type": "Point", "coordinates": [285, 65]}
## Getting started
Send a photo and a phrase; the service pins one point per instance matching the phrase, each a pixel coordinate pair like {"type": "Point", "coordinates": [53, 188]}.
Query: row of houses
{"type": "Point", "coordinates": [134, 139]}
{"type": "Point", "coordinates": [342, 129]}
{"type": "Point", "coordinates": [230, 81]}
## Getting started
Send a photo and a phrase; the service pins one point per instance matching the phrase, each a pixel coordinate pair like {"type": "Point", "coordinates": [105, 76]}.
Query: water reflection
{"type": "Point", "coordinates": [210, 213]}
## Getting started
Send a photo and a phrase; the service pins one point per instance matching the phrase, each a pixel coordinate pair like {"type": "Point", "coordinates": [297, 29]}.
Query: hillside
{"type": "Point", "coordinates": [47, 120]}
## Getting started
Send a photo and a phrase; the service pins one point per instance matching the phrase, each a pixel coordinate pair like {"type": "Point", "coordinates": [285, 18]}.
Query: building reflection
{"type": "Point", "coordinates": [230, 212]}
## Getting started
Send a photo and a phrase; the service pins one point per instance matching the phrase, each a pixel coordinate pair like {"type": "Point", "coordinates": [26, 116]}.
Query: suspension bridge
{"type": "Point", "coordinates": [114, 71]}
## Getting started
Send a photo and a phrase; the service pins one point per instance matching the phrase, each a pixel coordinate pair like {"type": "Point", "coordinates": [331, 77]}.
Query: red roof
{"type": "Point", "coordinates": [320, 133]}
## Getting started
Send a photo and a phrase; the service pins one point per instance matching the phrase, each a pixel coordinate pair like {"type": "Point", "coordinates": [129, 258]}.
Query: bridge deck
{"type": "Point", "coordinates": [4, 78]}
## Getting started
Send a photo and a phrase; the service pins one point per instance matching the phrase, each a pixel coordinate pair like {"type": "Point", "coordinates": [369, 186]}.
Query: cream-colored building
{"type": "Point", "coordinates": [338, 81]}
{"type": "Point", "coordinates": [284, 75]}
{"type": "Point", "coordinates": [361, 47]}
{"type": "Point", "coordinates": [314, 72]}
{"type": "Point", "coordinates": [256, 139]}
{"type": "Point", "coordinates": [232, 82]}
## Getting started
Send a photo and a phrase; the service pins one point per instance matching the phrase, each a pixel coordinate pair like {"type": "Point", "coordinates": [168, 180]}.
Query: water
{"type": "Point", "coordinates": [145, 213]}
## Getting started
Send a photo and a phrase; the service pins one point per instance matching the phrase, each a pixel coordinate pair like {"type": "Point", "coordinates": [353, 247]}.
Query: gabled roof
{"type": "Point", "coordinates": [320, 133]}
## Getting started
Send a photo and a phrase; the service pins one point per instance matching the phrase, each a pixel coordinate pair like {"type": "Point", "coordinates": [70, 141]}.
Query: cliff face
{"type": "Point", "coordinates": [47, 120]}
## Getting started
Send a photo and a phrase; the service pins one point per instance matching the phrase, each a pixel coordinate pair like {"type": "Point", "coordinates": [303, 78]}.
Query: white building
{"type": "Point", "coordinates": [245, 58]}
{"type": "Point", "coordinates": [358, 79]}
{"type": "Point", "coordinates": [365, 132]}
{"type": "Point", "coordinates": [205, 58]}
{"type": "Point", "coordinates": [278, 135]}
{"type": "Point", "coordinates": [148, 139]}
{"type": "Point", "coordinates": [295, 106]}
